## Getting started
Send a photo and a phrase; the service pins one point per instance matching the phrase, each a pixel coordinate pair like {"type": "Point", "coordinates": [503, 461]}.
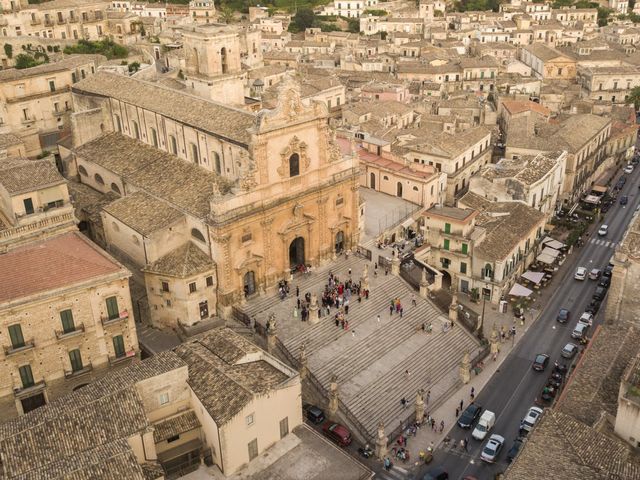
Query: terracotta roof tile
{"type": "Point", "coordinates": [55, 263]}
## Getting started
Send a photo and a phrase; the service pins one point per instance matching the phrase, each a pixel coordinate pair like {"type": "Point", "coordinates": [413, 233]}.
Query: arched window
{"type": "Point", "coordinates": [102, 127]}
{"type": "Point", "coordinates": [217, 163]}
{"type": "Point", "coordinates": [135, 240]}
{"type": "Point", "coordinates": [136, 130]}
{"type": "Point", "coordinates": [195, 156]}
{"type": "Point", "coordinates": [197, 234]}
{"type": "Point", "coordinates": [487, 271]}
{"type": "Point", "coordinates": [98, 179]}
{"type": "Point", "coordinates": [415, 189]}
{"type": "Point", "coordinates": [154, 137]}
{"type": "Point", "coordinates": [399, 189]}
{"type": "Point", "coordinates": [118, 124]}
{"type": "Point", "coordinates": [82, 170]}
{"type": "Point", "coordinates": [373, 181]}
{"type": "Point", "coordinates": [173, 144]}
{"type": "Point", "coordinates": [294, 165]}
{"type": "Point", "coordinates": [223, 60]}
{"type": "Point", "coordinates": [116, 189]}
{"type": "Point", "coordinates": [115, 227]}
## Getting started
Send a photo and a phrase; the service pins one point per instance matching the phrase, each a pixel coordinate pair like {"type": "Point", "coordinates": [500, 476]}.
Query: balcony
{"type": "Point", "coordinates": [22, 392]}
{"type": "Point", "coordinates": [48, 22]}
{"type": "Point", "coordinates": [73, 19]}
{"type": "Point", "coordinates": [28, 121]}
{"type": "Point", "coordinates": [61, 21]}
{"type": "Point", "coordinates": [11, 350]}
{"type": "Point", "coordinates": [44, 209]}
{"type": "Point", "coordinates": [35, 21]}
{"type": "Point", "coordinates": [84, 370]}
{"type": "Point", "coordinates": [106, 321]}
{"type": "Point", "coordinates": [62, 335]}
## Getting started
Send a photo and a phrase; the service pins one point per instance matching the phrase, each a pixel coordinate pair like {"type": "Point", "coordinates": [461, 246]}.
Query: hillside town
{"type": "Point", "coordinates": [339, 240]}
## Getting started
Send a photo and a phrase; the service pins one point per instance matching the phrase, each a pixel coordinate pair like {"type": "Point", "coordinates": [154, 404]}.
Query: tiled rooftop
{"type": "Point", "coordinates": [55, 263]}
{"type": "Point", "coordinates": [182, 262]}
{"type": "Point", "coordinates": [19, 175]}
{"type": "Point", "coordinates": [143, 213]}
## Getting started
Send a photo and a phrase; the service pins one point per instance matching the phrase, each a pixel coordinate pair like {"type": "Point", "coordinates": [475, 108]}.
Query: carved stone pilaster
{"type": "Point", "coordinates": [259, 154]}
{"type": "Point", "coordinates": [322, 225]}
{"type": "Point", "coordinates": [224, 242]}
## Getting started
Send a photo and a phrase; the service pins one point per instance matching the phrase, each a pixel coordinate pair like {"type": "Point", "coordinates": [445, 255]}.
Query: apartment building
{"type": "Point", "coordinates": [35, 103]}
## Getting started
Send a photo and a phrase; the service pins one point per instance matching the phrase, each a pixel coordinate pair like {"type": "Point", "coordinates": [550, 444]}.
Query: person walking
{"type": "Point", "coordinates": [466, 444]}
{"type": "Point", "coordinates": [457, 412]}
{"type": "Point", "coordinates": [441, 425]}
{"type": "Point", "coordinates": [473, 393]}
{"type": "Point", "coordinates": [401, 310]}
{"type": "Point", "coordinates": [428, 396]}
{"type": "Point", "coordinates": [297, 291]}
{"type": "Point", "coordinates": [413, 299]}
{"type": "Point", "coordinates": [433, 424]}
{"type": "Point", "coordinates": [378, 319]}
{"type": "Point", "coordinates": [391, 310]}
{"type": "Point", "coordinates": [461, 405]}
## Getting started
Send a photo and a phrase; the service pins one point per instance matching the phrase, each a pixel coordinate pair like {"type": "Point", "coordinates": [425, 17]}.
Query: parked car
{"type": "Point", "coordinates": [586, 318]}
{"type": "Point", "coordinates": [603, 230]}
{"type": "Point", "coordinates": [540, 362]}
{"type": "Point", "coordinates": [313, 413]}
{"type": "Point", "coordinates": [492, 449]}
{"type": "Point", "coordinates": [599, 293]}
{"type": "Point", "coordinates": [604, 282]}
{"type": "Point", "coordinates": [515, 448]}
{"type": "Point", "coordinates": [563, 315]}
{"type": "Point", "coordinates": [593, 307]}
{"type": "Point", "coordinates": [338, 433]}
{"type": "Point", "coordinates": [607, 271]}
{"type": "Point", "coordinates": [581, 273]}
{"type": "Point", "coordinates": [436, 473]}
{"type": "Point", "coordinates": [580, 331]}
{"type": "Point", "coordinates": [628, 169]}
{"type": "Point", "coordinates": [594, 274]}
{"type": "Point", "coordinates": [624, 200]}
{"type": "Point", "coordinates": [469, 416]}
{"type": "Point", "coordinates": [530, 419]}
{"type": "Point", "coordinates": [569, 350]}
{"type": "Point", "coordinates": [484, 426]}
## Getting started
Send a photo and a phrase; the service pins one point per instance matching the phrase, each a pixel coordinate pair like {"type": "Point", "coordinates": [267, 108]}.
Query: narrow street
{"type": "Point", "coordinates": [513, 389]}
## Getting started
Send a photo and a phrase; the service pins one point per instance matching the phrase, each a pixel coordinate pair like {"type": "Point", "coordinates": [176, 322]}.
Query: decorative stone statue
{"type": "Point", "coordinates": [420, 406]}
{"type": "Point", "coordinates": [381, 442]}
{"type": "Point", "coordinates": [365, 277]}
{"type": "Point", "coordinates": [494, 342]}
{"type": "Point", "coordinates": [465, 368]}
{"type": "Point", "coordinates": [271, 324]}
{"type": "Point", "coordinates": [424, 284]}
{"type": "Point", "coordinates": [314, 317]}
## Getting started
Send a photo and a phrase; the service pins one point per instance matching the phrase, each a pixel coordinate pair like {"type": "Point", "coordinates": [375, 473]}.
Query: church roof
{"type": "Point", "coordinates": [182, 262]}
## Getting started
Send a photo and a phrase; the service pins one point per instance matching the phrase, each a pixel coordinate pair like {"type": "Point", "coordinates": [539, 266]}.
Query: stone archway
{"type": "Point", "coordinates": [339, 244]}
{"type": "Point", "coordinates": [249, 283]}
{"type": "Point", "coordinates": [296, 252]}
{"type": "Point", "coordinates": [373, 181]}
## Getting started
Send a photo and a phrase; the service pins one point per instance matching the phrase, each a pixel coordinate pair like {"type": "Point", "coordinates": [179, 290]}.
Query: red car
{"type": "Point", "coordinates": [338, 433]}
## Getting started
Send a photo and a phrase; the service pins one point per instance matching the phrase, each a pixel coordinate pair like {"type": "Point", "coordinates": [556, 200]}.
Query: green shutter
{"type": "Point", "coordinates": [463, 267]}
{"type": "Point", "coordinates": [112, 308]}
{"type": "Point", "coordinates": [446, 244]}
{"type": "Point", "coordinates": [465, 248]}
{"type": "Point", "coordinates": [447, 228]}
{"type": "Point", "coordinates": [76, 360]}
{"type": "Point", "coordinates": [15, 333]}
{"type": "Point", "coordinates": [26, 376]}
{"type": "Point", "coordinates": [118, 346]}
{"type": "Point", "coordinates": [66, 316]}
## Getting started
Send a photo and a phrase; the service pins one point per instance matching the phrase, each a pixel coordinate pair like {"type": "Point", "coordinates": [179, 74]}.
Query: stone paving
{"type": "Point", "coordinates": [376, 363]}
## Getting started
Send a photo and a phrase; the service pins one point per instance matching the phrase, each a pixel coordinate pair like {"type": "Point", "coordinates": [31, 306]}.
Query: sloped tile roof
{"type": "Point", "coordinates": [55, 263]}
{"type": "Point", "coordinates": [181, 423]}
{"type": "Point", "coordinates": [143, 213]}
{"type": "Point", "coordinates": [182, 262]}
{"type": "Point", "coordinates": [19, 175]}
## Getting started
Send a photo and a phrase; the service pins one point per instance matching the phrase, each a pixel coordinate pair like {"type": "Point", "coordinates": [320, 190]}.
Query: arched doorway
{"type": "Point", "coordinates": [249, 283]}
{"type": "Point", "coordinates": [223, 59]}
{"type": "Point", "coordinates": [399, 190]}
{"type": "Point", "coordinates": [373, 181]}
{"type": "Point", "coordinates": [296, 252]}
{"type": "Point", "coordinates": [339, 242]}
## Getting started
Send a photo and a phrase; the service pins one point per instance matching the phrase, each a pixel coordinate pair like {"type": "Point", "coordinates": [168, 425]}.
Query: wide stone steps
{"type": "Point", "coordinates": [316, 336]}
{"type": "Point", "coordinates": [378, 342]}
{"type": "Point", "coordinates": [380, 399]}
{"type": "Point", "coordinates": [306, 283]}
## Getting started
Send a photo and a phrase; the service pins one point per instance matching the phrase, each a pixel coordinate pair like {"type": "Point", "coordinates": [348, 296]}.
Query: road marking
{"type": "Point", "coordinates": [397, 473]}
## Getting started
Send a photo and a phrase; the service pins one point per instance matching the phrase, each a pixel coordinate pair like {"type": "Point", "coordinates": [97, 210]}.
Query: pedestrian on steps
{"type": "Point", "coordinates": [441, 426]}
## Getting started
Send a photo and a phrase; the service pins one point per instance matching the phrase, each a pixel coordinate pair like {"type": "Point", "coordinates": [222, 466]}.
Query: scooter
{"type": "Point", "coordinates": [366, 452]}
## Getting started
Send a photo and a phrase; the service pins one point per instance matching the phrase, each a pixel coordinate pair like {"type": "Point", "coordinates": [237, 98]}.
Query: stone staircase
{"type": "Point", "coordinates": [370, 360]}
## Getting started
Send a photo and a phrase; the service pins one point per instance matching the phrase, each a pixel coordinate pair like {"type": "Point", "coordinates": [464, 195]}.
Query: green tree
{"type": "Point", "coordinates": [303, 19]}
{"type": "Point", "coordinates": [354, 25]}
{"type": "Point", "coordinates": [25, 61]}
{"type": "Point", "coordinates": [226, 14]}
{"type": "Point", "coordinates": [603, 16]}
{"type": "Point", "coordinates": [8, 50]}
{"type": "Point", "coordinates": [634, 98]}
{"type": "Point", "coordinates": [134, 67]}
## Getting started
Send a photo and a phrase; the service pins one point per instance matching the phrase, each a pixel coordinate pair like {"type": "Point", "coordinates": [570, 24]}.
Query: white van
{"type": "Point", "coordinates": [580, 330]}
{"type": "Point", "coordinates": [485, 424]}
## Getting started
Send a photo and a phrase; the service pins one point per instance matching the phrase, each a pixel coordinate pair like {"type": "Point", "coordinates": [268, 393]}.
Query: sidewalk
{"type": "Point", "coordinates": [447, 411]}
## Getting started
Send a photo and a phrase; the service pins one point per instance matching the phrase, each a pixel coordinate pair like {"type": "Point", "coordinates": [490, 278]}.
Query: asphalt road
{"type": "Point", "coordinates": [513, 388]}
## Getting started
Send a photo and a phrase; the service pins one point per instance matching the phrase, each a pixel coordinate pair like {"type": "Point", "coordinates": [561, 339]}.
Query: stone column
{"type": "Point", "coordinates": [494, 342]}
{"type": "Point", "coordinates": [424, 284]}
{"type": "Point", "coordinates": [395, 265]}
{"type": "Point", "coordinates": [381, 443]}
{"type": "Point", "coordinates": [303, 361]}
{"type": "Point", "coordinates": [333, 398]}
{"type": "Point", "coordinates": [271, 333]}
{"type": "Point", "coordinates": [420, 406]}
{"type": "Point", "coordinates": [453, 308]}
{"type": "Point", "coordinates": [465, 368]}
{"type": "Point", "coordinates": [313, 309]}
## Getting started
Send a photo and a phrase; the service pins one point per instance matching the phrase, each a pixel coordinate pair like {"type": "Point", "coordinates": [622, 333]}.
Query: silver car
{"type": "Point", "coordinates": [492, 448]}
{"type": "Point", "coordinates": [569, 350]}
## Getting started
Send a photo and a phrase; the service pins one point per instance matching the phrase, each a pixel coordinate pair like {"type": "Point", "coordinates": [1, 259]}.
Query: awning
{"type": "Point", "coordinates": [535, 277]}
{"type": "Point", "coordinates": [519, 291]}
{"type": "Point", "coordinates": [591, 199]}
{"type": "Point", "coordinates": [555, 244]}
{"type": "Point", "coordinates": [544, 258]}
{"type": "Point", "coordinates": [599, 189]}
{"type": "Point", "coordinates": [552, 252]}
{"type": "Point", "coordinates": [408, 222]}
